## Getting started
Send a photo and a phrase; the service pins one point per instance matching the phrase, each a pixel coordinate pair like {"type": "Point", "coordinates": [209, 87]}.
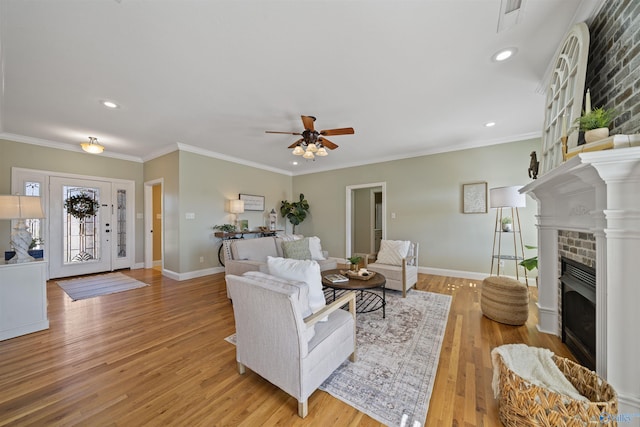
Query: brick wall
{"type": "Point", "coordinates": [577, 246]}
{"type": "Point", "coordinates": [613, 71]}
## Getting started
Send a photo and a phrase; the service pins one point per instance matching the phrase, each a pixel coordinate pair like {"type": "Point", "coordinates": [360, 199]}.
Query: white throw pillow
{"type": "Point", "coordinates": [392, 251]}
{"type": "Point", "coordinates": [316, 248]}
{"type": "Point", "coordinates": [307, 271]}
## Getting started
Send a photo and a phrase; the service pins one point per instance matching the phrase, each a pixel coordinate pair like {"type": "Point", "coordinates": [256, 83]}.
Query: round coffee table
{"type": "Point", "coordinates": [366, 301]}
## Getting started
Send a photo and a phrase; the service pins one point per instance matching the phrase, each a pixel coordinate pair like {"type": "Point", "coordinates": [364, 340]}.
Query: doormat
{"type": "Point", "coordinates": [101, 284]}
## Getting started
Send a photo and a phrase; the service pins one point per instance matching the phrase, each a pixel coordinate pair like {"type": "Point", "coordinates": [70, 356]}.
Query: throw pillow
{"type": "Point", "coordinates": [297, 249]}
{"type": "Point", "coordinates": [392, 251]}
{"type": "Point", "coordinates": [301, 289]}
{"type": "Point", "coordinates": [307, 271]}
{"type": "Point", "coordinates": [316, 248]}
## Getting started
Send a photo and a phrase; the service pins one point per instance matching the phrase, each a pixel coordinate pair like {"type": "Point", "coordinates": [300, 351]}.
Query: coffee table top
{"type": "Point", "coordinates": [376, 281]}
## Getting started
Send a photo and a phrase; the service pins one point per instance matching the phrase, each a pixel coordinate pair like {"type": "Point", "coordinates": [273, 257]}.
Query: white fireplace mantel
{"type": "Point", "coordinates": [597, 192]}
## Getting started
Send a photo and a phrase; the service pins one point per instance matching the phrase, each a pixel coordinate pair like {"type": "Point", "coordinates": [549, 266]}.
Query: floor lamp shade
{"type": "Point", "coordinates": [20, 208]}
{"type": "Point", "coordinates": [507, 197]}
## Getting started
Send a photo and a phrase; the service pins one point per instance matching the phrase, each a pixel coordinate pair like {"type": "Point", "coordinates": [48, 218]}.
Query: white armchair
{"type": "Point", "coordinates": [275, 341]}
{"type": "Point", "coordinates": [399, 266]}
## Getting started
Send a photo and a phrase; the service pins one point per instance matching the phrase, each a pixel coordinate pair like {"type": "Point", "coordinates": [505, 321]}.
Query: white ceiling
{"type": "Point", "coordinates": [412, 77]}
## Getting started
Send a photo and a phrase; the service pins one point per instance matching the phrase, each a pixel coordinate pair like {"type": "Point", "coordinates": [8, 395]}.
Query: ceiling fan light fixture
{"type": "Point", "coordinates": [298, 151]}
{"type": "Point", "coordinates": [312, 147]}
{"type": "Point", "coordinates": [92, 146]}
{"type": "Point", "coordinates": [308, 155]}
{"type": "Point", "coordinates": [322, 152]}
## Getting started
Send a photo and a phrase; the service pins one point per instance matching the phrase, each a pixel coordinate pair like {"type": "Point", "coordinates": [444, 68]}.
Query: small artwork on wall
{"type": "Point", "coordinates": [252, 203]}
{"type": "Point", "coordinates": [474, 197]}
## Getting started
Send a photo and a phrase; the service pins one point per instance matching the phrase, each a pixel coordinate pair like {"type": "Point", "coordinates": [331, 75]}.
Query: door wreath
{"type": "Point", "coordinates": [81, 206]}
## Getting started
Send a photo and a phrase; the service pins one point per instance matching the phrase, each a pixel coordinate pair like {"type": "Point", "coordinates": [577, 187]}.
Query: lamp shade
{"type": "Point", "coordinates": [507, 197]}
{"type": "Point", "coordinates": [20, 207]}
{"type": "Point", "coordinates": [236, 206]}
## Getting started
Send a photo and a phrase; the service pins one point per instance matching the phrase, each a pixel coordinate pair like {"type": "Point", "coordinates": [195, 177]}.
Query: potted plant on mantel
{"type": "Point", "coordinates": [595, 124]}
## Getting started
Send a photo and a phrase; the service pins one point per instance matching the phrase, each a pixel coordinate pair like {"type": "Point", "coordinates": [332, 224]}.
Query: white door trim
{"type": "Point", "coordinates": [349, 211]}
{"type": "Point", "coordinates": [148, 221]}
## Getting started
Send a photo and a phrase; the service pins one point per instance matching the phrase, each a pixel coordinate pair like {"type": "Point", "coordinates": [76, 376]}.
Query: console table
{"type": "Point", "coordinates": [23, 298]}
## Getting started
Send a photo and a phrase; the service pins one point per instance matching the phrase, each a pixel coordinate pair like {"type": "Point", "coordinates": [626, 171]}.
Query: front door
{"type": "Point", "coordinates": [80, 226]}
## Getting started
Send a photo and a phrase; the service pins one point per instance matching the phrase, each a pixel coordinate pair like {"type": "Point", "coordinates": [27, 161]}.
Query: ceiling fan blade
{"type": "Point", "coordinates": [296, 143]}
{"type": "Point", "coordinates": [307, 121]}
{"type": "Point", "coordinates": [340, 131]}
{"type": "Point", "coordinates": [328, 144]}
{"type": "Point", "coordinates": [286, 133]}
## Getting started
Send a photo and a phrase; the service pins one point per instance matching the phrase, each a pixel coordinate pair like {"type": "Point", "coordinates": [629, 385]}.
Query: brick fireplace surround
{"type": "Point", "coordinates": [598, 193]}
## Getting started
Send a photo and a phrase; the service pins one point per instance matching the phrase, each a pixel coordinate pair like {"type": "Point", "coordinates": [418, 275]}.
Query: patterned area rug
{"type": "Point", "coordinates": [101, 284]}
{"type": "Point", "coordinates": [393, 376]}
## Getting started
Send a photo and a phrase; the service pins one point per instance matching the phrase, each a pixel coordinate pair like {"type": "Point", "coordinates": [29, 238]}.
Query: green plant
{"type": "Point", "coordinates": [530, 263]}
{"type": "Point", "coordinates": [597, 118]}
{"type": "Point", "coordinates": [295, 212]}
{"type": "Point", "coordinates": [354, 259]}
{"type": "Point", "coordinates": [36, 242]}
{"type": "Point", "coordinates": [227, 228]}
{"type": "Point", "coordinates": [506, 220]}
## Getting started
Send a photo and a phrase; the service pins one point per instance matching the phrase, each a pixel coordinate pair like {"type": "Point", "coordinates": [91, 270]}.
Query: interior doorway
{"type": "Point", "coordinates": [154, 225]}
{"type": "Point", "coordinates": [365, 217]}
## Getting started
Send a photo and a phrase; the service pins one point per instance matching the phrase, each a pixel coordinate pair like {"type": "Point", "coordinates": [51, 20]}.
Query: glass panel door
{"type": "Point", "coordinates": [80, 226]}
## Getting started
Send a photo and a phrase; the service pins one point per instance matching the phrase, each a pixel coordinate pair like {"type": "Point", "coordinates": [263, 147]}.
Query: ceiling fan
{"type": "Point", "coordinates": [313, 143]}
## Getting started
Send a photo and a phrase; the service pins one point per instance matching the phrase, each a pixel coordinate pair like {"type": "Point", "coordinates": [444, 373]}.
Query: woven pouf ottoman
{"type": "Point", "coordinates": [505, 300]}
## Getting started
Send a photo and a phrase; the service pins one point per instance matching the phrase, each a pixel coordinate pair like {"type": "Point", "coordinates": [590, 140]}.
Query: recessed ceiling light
{"type": "Point", "coordinates": [490, 124]}
{"type": "Point", "coordinates": [294, 163]}
{"type": "Point", "coordinates": [504, 54]}
{"type": "Point", "coordinates": [109, 104]}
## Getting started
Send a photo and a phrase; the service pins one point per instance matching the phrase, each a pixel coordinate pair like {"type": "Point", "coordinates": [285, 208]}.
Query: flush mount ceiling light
{"type": "Point", "coordinates": [504, 54]}
{"type": "Point", "coordinates": [92, 146]}
{"type": "Point", "coordinates": [490, 124]}
{"type": "Point", "coordinates": [109, 104]}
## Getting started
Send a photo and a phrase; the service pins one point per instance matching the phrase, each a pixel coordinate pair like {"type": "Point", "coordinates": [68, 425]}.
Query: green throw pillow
{"type": "Point", "coordinates": [297, 249]}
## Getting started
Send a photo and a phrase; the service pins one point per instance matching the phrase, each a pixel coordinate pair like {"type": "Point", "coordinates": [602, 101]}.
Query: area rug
{"type": "Point", "coordinates": [101, 284]}
{"type": "Point", "coordinates": [397, 359]}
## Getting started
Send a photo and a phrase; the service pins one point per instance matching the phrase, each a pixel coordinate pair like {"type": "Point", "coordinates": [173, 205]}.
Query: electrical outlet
{"type": "Point", "coordinates": [201, 259]}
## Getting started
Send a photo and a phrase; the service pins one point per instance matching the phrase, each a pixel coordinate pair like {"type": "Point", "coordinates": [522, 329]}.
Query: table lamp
{"type": "Point", "coordinates": [236, 207]}
{"type": "Point", "coordinates": [20, 208]}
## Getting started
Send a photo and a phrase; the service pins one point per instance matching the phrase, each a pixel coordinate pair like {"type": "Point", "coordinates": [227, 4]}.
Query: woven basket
{"type": "Point", "coordinates": [521, 403]}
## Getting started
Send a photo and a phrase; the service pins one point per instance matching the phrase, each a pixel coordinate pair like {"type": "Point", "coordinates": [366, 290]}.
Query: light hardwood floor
{"type": "Point", "coordinates": [157, 356]}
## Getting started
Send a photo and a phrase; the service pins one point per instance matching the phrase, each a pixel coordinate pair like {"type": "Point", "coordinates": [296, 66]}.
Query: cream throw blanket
{"type": "Point", "coordinates": [534, 365]}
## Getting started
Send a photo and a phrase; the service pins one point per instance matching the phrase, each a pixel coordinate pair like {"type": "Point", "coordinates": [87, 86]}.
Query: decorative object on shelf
{"type": "Point", "coordinates": [509, 198]}
{"type": "Point", "coordinates": [507, 224]}
{"type": "Point", "coordinates": [313, 142]}
{"type": "Point", "coordinates": [251, 202]}
{"type": "Point", "coordinates": [225, 228]}
{"type": "Point", "coordinates": [295, 212]}
{"type": "Point", "coordinates": [81, 206]}
{"type": "Point", "coordinates": [474, 197]}
{"type": "Point", "coordinates": [273, 217]}
{"type": "Point", "coordinates": [595, 123]}
{"type": "Point", "coordinates": [354, 261]}
{"type": "Point", "coordinates": [92, 146]}
{"type": "Point", "coordinates": [533, 165]}
{"type": "Point", "coordinates": [236, 207]}
{"type": "Point", "coordinates": [243, 224]}
{"type": "Point", "coordinates": [20, 208]}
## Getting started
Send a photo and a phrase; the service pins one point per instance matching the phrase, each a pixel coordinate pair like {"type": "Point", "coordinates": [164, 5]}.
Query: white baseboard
{"type": "Point", "coordinates": [192, 274]}
{"type": "Point", "coordinates": [453, 273]}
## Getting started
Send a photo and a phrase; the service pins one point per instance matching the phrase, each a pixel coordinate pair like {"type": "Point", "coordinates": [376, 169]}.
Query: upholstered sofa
{"type": "Point", "coordinates": [242, 255]}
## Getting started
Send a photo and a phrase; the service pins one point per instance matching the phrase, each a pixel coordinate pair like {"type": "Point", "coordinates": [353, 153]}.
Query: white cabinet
{"type": "Point", "coordinates": [23, 298]}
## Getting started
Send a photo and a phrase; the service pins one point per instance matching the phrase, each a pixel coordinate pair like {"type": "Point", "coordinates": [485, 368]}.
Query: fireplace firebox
{"type": "Point", "coordinates": [578, 283]}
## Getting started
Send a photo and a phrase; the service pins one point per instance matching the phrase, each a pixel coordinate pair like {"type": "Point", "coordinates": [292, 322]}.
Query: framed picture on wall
{"type": "Point", "coordinates": [252, 203]}
{"type": "Point", "coordinates": [474, 197]}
